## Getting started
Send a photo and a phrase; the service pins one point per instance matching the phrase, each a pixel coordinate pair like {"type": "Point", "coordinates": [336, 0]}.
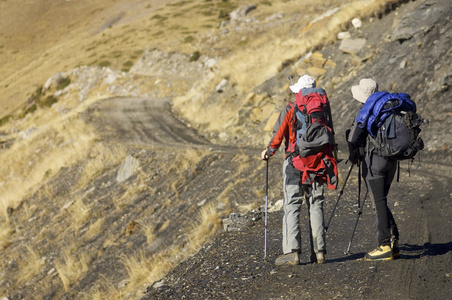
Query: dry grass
{"type": "Point", "coordinates": [72, 267]}
{"type": "Point", "coordinates": [5, 234]}
{"type": "Point", "coordinates": [149, 231]}
{"type": "Point", "coordinates": [30, 264]}
{"type": "Point", "coordinates": [186, 160]}
{"type": "Point", "coordinates": [208, 224]}
{"type": "Point", "coordinates": [137, 187]}
{"type": "Point", "coordinates": [45, 42]}
{"type": "Point", "coordinates": [107, 290]}
{"type": "Point", "coordinates": [29, 56]}
{"type": "Point", "coordinates": [143, 270]}
{"type": "Point", "coordinates": [101, 156]}
{"type": "Point", "coordinates": [80, 214]}
{"type": "Point", "coordinates": [245, 66]}
{"type": "Point", "coordinates": [248, 67]}
{"type": "Point", "coordinates": [34, 159]}
{"type": "Point", "coordinates": [95, 228]}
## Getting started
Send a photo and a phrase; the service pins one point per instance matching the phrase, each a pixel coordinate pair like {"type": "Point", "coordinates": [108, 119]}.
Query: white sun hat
{"type": "Point", "coordinates": [304, 81]}
{"type": "Point", "coordinates": [365, 88]}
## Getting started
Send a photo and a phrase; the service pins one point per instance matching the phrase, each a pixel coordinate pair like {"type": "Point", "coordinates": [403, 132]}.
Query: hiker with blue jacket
{"type": "Point", "coordinates": [377, 171]}
{"type": "Point", "coordinates": [293, 186]}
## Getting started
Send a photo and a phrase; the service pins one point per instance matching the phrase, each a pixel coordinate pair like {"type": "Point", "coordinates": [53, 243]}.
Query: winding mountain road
{"type": "Point", "coordinates": [144, 121]}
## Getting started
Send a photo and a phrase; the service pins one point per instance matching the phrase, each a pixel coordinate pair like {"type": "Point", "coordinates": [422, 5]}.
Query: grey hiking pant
{"type": "Point", "coordinates": [293, 199]}
{"type": "Point", "coordinates": [379, 174]}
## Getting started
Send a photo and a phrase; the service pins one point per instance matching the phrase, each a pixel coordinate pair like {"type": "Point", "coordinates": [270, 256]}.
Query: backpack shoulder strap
{"type": "Point", "coordinates": [293, 105]}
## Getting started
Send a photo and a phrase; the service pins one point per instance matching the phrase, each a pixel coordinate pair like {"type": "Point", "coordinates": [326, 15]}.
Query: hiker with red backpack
{"type": "Point", "coordinates": [305, 126]}
{"type": "Point", "coordinates": [385, 131]}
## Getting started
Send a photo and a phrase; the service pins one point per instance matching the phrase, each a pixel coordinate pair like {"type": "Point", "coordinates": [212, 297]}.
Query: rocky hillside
{"type": "Point", "coordinates": [127, 144]}
{"type": "Point", "coordinates": [393, 49]}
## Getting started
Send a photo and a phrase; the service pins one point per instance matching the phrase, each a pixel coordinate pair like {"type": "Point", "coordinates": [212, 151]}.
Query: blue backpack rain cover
{"type": "Point", "coordinates": [393, 125]}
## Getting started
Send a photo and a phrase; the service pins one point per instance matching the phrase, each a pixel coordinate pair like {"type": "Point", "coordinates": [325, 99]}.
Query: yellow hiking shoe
{"type": "Point", "coordinates": [395, 248]}
{"type": "Point", "coordinates": [379, 253]}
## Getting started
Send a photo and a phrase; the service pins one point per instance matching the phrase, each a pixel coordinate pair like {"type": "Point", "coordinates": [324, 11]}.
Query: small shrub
{"type": "Point", "coordinates": [48, 101]}
{"type": "Point", "coordinates": [179, 4]}
{"type": "Point", "coordinates": [117, 54]}
{"type": "Point", "coordinates": [139, 52]}
{"type": "Point", "coordinates": [223, 14]}
{"type": "Point", "coordinates": [5, 120]}
{"type": "Point", "coordinates": [28, 110]}
{"type": "Point", "coordinates": [36, 95]}
{"type": "Point", "coordinates": [189, 39]}
{"type": "Point", "coordinates": [104, 63]}
{"type": "Point", "coordinates": [128, 63]}
{"type": "Point", "coordinates": [243, 42]}
{"type": "Point", "coordinates": [158, 17]}
{"type": "Point", "coordinates": [63, 83]}
{"type": "Point", "coordinates": [195, 56]}
{"type": "Point", "coordinates": [207, 13]}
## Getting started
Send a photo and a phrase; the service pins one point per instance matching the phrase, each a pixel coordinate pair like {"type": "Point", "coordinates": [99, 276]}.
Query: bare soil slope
{"type": "Point", "coordinates": [233, 265]}
{"type": "Point", "coordinates": [85, 234]}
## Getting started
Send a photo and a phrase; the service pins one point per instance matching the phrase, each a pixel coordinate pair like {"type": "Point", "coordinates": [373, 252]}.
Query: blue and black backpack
{"type": "Point", "coordinates": [393, 125]}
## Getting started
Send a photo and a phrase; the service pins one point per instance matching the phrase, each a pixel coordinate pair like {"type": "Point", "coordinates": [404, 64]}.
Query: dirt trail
{"type": "Point", "coordinates": [145, 121]}
{"type": "Point", "coordinates": [421, 203]}
{"type": "Point", "coordinates": [232, 266]}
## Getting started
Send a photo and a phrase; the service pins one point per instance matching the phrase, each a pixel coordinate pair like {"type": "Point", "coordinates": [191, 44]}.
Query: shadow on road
{"type": "Point", "coordinates": [428, 249]}
{"type": "Point", "coordinates": [354, 256]}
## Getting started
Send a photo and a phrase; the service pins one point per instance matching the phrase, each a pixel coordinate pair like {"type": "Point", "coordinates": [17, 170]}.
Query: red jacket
{"type": "Point", "coordinates": [283, 131]}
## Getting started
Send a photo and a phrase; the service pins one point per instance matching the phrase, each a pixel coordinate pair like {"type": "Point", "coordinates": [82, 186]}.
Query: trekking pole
{"type": "Point", "coordinates": [339, 197]}
{"type": "Point", "coordinates": [359, 183]}
{"type": "Point", "coordinates": [291, 79]}
{"type": "Point", "coordinates": [266, 208]}
{"type": "Point", "coordinates": [360, 211]}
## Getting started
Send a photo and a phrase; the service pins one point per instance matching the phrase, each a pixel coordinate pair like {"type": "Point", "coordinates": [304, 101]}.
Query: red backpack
{"type": "Point", "coordinates": [314, 147]}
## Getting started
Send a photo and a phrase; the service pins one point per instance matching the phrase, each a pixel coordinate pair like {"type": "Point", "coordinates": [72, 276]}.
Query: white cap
{"type": "Point", "coordinates": [304, 81]}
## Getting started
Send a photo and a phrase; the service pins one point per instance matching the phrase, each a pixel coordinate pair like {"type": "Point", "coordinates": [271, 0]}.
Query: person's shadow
{"type": "Point", "coordinates": [408, 251]}
{"type": "Point", "coordinates": [349, 256]}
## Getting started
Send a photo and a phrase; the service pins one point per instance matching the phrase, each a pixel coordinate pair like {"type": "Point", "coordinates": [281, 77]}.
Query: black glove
{"type": "Point", "coordinates": [353, 153]}
{"type": "Point", "coordinates": [353, 158]}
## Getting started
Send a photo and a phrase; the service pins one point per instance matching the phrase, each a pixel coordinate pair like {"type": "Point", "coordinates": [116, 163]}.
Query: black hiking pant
{"type": "Point", "coordinates": [379, 173]}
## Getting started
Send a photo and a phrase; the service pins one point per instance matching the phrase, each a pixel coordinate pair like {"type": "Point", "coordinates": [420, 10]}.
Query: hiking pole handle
{"type": "Point", "coordinates": [339, 197]}
{"type": "Point", "coordinates": [291, 79]}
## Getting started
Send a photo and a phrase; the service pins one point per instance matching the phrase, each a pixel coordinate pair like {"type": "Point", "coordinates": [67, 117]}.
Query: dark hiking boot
{"type": "Point", "coordinates": [288, 259]}
{"type": "Point", "coordinates": [395, 248]}
{"type": "Point", "coordinates": [379, 253]}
